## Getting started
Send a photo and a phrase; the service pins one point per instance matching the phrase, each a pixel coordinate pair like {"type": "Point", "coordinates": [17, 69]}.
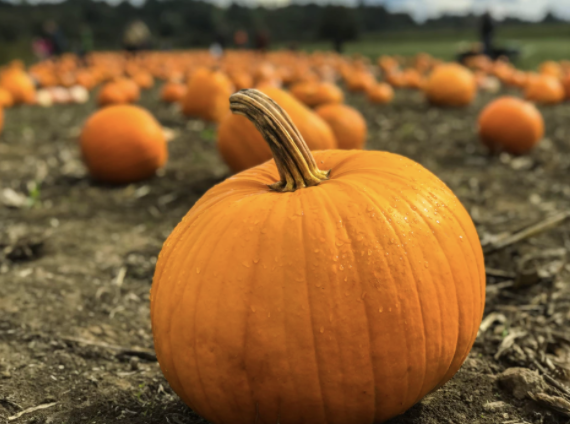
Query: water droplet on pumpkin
{"type": "Point", "coordinates": [341, 267]}
{"type": "Point", "coordinates": [256, 260]}
{"type": "Point", "coordinates": [197, 270]}
{"type": "Point", "coordinates": [317, 250]}
{"type": "Point", "coordinates": [322, 330]}
{"type": "Point", "coordinates": [380, 309]}
{"type": "Point", "coordinates": [461, 238]}
{"type": "Point", "coordinates": [253, 309]}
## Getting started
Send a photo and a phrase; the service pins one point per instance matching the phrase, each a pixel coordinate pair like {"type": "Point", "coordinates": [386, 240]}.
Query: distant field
{"type": "Point", "coordinates": [537, 43]}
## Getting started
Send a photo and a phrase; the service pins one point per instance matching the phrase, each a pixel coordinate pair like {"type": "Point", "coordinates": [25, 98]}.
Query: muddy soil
{"type": "Point", "coordinates": [78, 257]}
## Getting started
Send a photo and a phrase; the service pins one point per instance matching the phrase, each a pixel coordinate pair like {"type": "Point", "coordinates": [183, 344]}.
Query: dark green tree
{"type": "Point", "coordinates": [338, 24]}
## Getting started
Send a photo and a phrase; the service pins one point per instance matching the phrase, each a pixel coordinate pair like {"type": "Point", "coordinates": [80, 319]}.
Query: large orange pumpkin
{"type": "Point", "coordinates": [207, 95]}
{"type": "Point", "coordinates": [123, 144]}
{"type": "Point", "coordinates": [19, 84]}
{"type": "Point", "coordinates": [511, 124]}
{"type": "Point", "coordinates": [450, 84]}
{"type": "Point", "coordinates": [544, 89]}
{"type": "Point", "coordinates": [339, 288]}
{"type": "Point", "coordinates": [347, 124]}
{"type": "Point", "coordinates": [242, 146]}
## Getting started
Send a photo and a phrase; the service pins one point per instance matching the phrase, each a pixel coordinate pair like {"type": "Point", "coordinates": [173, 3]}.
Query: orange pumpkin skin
{"type": "Point", "coordinates": [450, 85]}
{"type": "Point", "coordinates": [130, 88]}
{"type": "Point", "coordinates": [144, 80]}
{"type": "Point", "coordinates": [544, 89]}
{"type": "Point", "coordinates": [347, 124]}
{"type": "Point", "coordinates": [207, 95]}
{"type": "Point", "coordinates": [112, 94]}
{"type": "Point", "coordinates": [172, 92]}
{"type": "Point", "coordinates": [380, 93]}
{"type": "Point", "coordinates": [123, 144]}
{"type": "Point", "coordinates": [19, 84]}
{"type": "Point", "coordinates": [346, 302]}
{"type": "Point", "coordinates": [315, 94]}
{"type": "Point", "coordinates": [6, 99]}
{"type": "Point", "coordinates": [242, 146]}
{"type": "Point", "coordinates": [511, 124]}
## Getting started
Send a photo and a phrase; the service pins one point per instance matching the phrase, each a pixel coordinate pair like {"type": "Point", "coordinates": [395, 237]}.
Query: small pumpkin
{"type": "Point", "coordinates": [130, 88]}
{"type": "Point", "coordinates": [172, 92]}
{"type": "Point", "coordinates": [314, 94]}
{"type": "Point", "coordinates": [511, 124]}
{"type": "Point", "coordinates": [6, 99]}
{"type": "Point", "coordinates": [207, 95]}
{"type": "Point", "coordinates": [242, 146]}
{"type": "Point", "coordinates": [144, 80]}
{"type": "Point", "coordinates": [122, 144]}
{"type": "Point", "coordinates": [450, 85]}
{"type": "Point", "coordinates": [544, 89]}
{"type": "Point", "coordinates": [347, 124]}
{"type": "Point", "coordinates": [19, 84]}
{"type": "Point", "coordinates": [316, 286]}
{"type": "Point", "coordinates": [380, 93]}
{"type": "Point", "coordinates": [112, 93]}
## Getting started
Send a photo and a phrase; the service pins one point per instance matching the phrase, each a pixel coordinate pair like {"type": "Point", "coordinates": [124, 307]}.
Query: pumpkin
{"type": "Point", "coordinates": [450, 85]}
{"type": "Point", "coordinates": [314, 94]}
{"type": "Point", "coordinates": [112, 93]}
{"type": "Point", "coordinates": [565, 85]}
{"type": "Point", "coordinates": [144, 80]}
{"type": "Point", "coordinates": [1, 119]}
{"type": "Point", "coordinates": [339, 286]}
{"type": "Point", "coordinates": [130, 88]}
{"type": "Point", "coordinates": [551, 68]}
{"type": "Point", "coordinates": [544, 89]}
{"type": "Point", "coordinates": [172, 92]}
{"type": "Point", "coordinates": [207, 95]}
{"type": "Point", "coordinates": [123, 144]}
{"type": "Point", "coordinates": [380, 93]}
{"type": "Point", "coordinates": [19, 84]}
{"type": "Point", "coordinates": [511, 124]}
{"type": "Point", "coordinates": [360, 80]}
{"type": "Point", "coordinates": [241, 80]}
{"type": "Point", "coordinates": [242, 147]}
{"type": "Point", "coordinates": [347, 124]}
{"type": "Point", "coordinates": [6, 99]}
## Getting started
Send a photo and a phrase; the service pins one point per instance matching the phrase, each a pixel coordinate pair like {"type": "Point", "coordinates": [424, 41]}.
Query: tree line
{"type": "Point", "coordinates": [193, 23]}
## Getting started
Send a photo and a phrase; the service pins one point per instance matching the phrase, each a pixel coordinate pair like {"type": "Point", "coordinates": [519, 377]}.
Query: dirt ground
{"type": "Point", "coordinates": [77, 259]}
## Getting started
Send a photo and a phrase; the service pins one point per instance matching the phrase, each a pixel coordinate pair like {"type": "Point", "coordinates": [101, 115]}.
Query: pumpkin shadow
{"type": "Point", "coordinates": [414, 415]}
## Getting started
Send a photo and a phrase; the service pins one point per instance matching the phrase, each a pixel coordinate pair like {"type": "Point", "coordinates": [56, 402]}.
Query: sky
{"type": "Point", "coordinates": [425, 9]}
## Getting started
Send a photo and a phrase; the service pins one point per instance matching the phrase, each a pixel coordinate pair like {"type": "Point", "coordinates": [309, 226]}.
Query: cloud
{"type": "Point", "coordinates": [525, 9]}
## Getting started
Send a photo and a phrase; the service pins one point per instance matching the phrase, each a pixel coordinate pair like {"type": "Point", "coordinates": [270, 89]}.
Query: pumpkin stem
{"type": "Point", "coordinates": [295, 163]}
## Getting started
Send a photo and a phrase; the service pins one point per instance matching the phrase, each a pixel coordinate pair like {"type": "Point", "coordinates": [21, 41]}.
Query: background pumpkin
{"type": "Point", "coordinates": [207, 95]}
{"type": "Point", "coordinates": [19, 84]}
{"type": "Point", "coordinates": [242, 146]}
{"type": "Point", "coordinates": [511, 124]}
{"type": "Point", "coordinates": [544, 89]}
{"type": "Point", "coordinates": [347, 124]}
{"type": "Point", "coordinates": [450, 85]}
{"type": "Point", "coordinates": [172, 92]}
{"type": "Point", "coordinates": [112, 94]}
{"type": "Point", "coordinates": [380, 93]}
{"type": "Point", "coordinates": [346, 302]}
{"type": "Point", "coordinates": [122, 144]}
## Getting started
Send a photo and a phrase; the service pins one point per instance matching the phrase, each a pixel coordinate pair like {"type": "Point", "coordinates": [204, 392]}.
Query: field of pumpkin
{"type": "Point", "coordinates": [285, 237]}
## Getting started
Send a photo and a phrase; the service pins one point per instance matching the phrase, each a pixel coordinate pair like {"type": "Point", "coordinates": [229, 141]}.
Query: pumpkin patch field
{"type": "Point", "coordinates": [403, 258]}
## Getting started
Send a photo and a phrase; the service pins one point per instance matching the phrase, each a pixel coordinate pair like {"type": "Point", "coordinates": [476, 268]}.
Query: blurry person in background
{"type": "Point", "coordinates": [41, 48]}
{"type": "Point", "coordinates": [262, 40]}
{"type": "Point", "coordinates": [487, 33]}
{"type": "Point", "coordinates": [240, 39]}
{"type": "Point", "coordinates": [137, 37]}
{"type": "Point", "coordinates": [85, 43]}
{"type": "Point", "coordinates": [55, 37]}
